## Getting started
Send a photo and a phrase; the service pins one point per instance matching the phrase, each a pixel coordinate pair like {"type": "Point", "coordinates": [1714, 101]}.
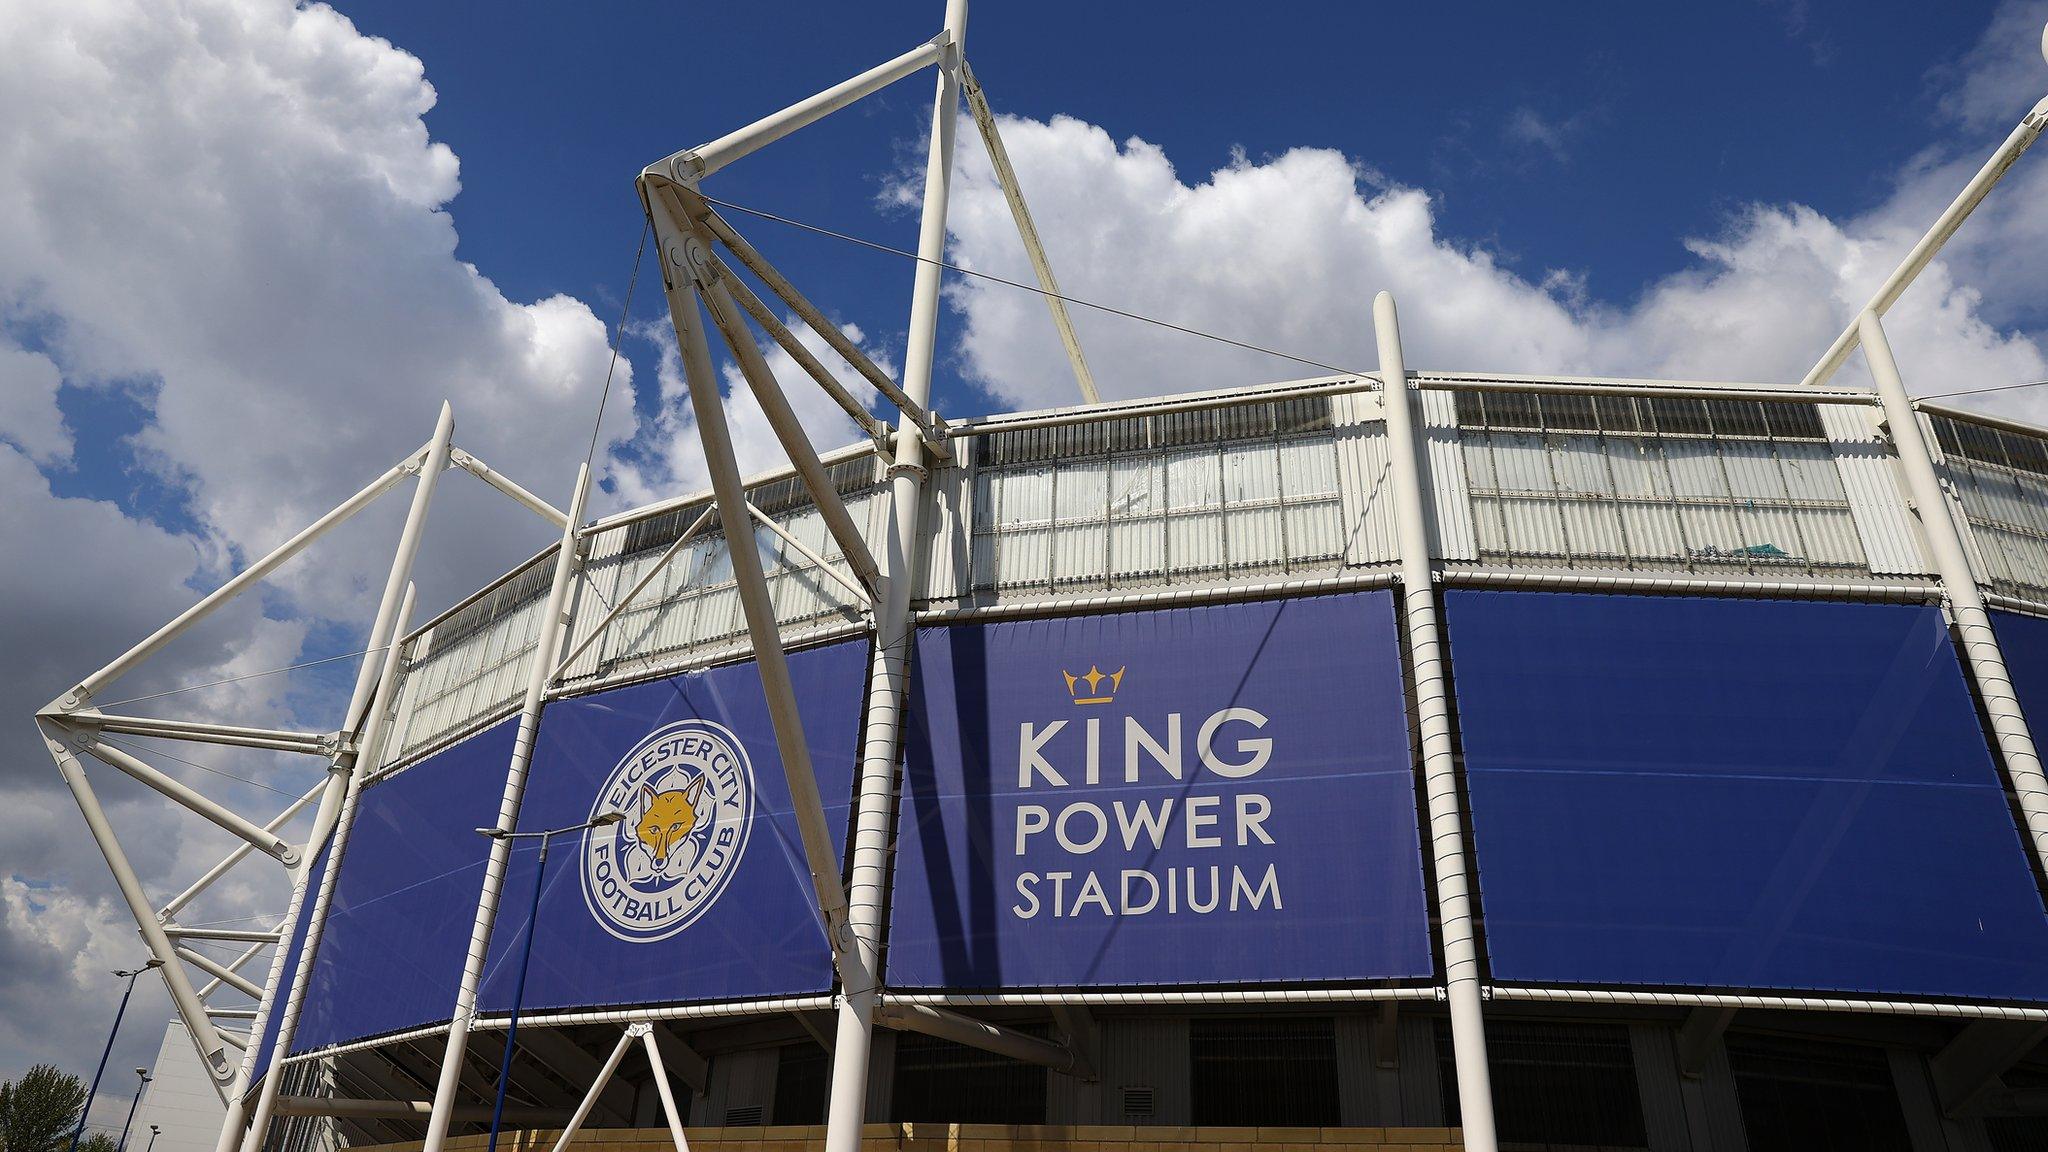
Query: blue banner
{"type": "Point", "coordinates": [702, 891]}
{"type": "Point", "coordinates": [1212, 795]}
{"type": "Point", "coordinates": [398, 927]}
{"type": "Point", "coordinates": [1742, 794]}
{"type": "Point", "coordinates": [2024, 642]}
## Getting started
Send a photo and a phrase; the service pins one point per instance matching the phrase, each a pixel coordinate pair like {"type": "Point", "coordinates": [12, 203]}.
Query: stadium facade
{"type": "Point", "coordinates": [1404, 757]}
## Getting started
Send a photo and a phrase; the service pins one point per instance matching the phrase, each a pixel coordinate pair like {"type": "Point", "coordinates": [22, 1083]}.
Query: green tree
{"type": "Point", "coordinates": [97, 1142]}
{"type": "Point", "coordinates": [39, 1111]}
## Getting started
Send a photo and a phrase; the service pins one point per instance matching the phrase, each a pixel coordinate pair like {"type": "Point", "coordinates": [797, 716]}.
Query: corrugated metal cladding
{"type": "Point", "coordinates": [1251, 491]}
{"type": "Point", "coordinates": [1656, 482]}
{"type": "Point", "coordinates": [2001, 480]}
{"type": "Point", "coordinates": [1266, 489]}
{"type": "Point", "coordinates": [472, 665]}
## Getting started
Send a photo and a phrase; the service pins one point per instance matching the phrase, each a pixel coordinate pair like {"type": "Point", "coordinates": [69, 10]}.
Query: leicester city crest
{"type": "Point", "coordinates": [687, 792]}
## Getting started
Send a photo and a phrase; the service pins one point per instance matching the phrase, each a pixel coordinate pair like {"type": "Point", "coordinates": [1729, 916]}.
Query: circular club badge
{"type": "Point", "coordinates": [687, 792]}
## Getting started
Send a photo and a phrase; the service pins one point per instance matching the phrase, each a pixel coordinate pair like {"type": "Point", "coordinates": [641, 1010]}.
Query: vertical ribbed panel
{"type": "Point", "coordinates": [1422, 1094]}
{"type": "Point", "coordinates": [1242, 493]}
{"type": "Point", "coordinates": [1357, 1095]}
{"type": "Point", "coordinates": [1146, 1052]}
{"type": "Point", "coordinates": [1072, 1100]}
{"type": "Point", "coordinates": [1713, 1109]}
{"type": "Point", "coordinates": [949, 528]}
{"type": "Point", "coordinates": [1959, 482]}
{"type": "Point", "coordinates": [1657, 1080]}
{"type": "Point", "coordinates": [1863, 458]}
{"type": "Point", "coordinates": [473, 664]}
{"type": "Point", "coordinates": [881, 1076]}
{"type": "Point", "coordinates": [1450, 497]}
{"type": "Point", "coordinates": [739, 1083]}
{"type": "Point", "coordinates": [1365, 497]}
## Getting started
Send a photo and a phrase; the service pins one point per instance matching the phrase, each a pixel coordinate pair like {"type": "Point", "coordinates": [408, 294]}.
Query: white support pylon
{"type": "Point", "coordinates": [1433, 723]}
{"type": "Point", "coordinates": [1979, 643]}
{"type": "Point", "coordinates": [1020, 214]}
{"type": "Point", "coordinates": [375, 729]}
{"type": "Point", "coordinates": [432, 461]}
{"type": "Point", "coordinates": [673, 239]}
{"type": "Point", "coordinates": [889, 677]}
{"type": "Point", "coordinates": [547, 646]}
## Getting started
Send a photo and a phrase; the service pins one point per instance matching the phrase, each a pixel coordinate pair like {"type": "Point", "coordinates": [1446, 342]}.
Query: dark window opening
{"type": "Point", "coordinates": [1554, 1084]}
{"type": "Point", "coordinates": [1813, 1096]}
{"type": "Point", "coordinates": [803, 1076]}
{"type": "Point", "coordinates": [940, 1082]}
{"type": "Point", "coordinates": [1278, 1073]}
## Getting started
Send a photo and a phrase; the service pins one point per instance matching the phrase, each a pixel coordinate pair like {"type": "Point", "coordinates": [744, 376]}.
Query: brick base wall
{"type": "Point", "coordinates": [977, 1138]}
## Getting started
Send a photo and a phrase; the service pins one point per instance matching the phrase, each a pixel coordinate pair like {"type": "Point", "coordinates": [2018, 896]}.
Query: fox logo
{"type": "Point", "coordinates": [666, 820]}
{"type": "Point", "coordinates": [687, 791]}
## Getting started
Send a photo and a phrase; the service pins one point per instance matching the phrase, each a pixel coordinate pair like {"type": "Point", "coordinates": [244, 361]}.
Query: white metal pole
{"type": "Point", "coordinates": [1966, 601]}
{"type": "Point", "coordinates": [639, 586]}
{"type": "Point", "coordinates": [782, 420]}
{"type": "Point", "coordinates": [88, 687]}
{"type": "Point", "coordinates": [818, 322]}
{"type": "Point", "coordinates": [360, 767]}
{"type": "Point", "coordinates": [1923, 253]}
{"type": "Point", "coordinates": [804, 550]}
{"type": "Point", "coordinates": [235, 965]}
{"type": "Point", "coordinates": [694, 164]}
{"type": "Point", "coordinates": [597, 1086]}
{"type": "Point", "coordinates": [431, 461]}
{"type": "Point", "coordinates": [889, 676]}
{"type": "Point", "coordinates": [812, 366]}
{"type": "Point", "coordinates": [729, 497]}
{"type": "Point", "coordinates": [949, 1025]}
{"type": "Point", "coordinates": [665, 1089]}
{"type": "Point", "coordinates": [503, 483]}
{"type": "Point", "coordinates": [220, 972]}
{"type": "Point", "coordinates": [190, 1009]}
{"type": "Point", "coordinates": [1433, 720]}
{"type": "Point", "coordinates": [241, 851]}
{"type": "Point", "coordinates": [545, 648]}
{"type": "Point", "coordinates": [1020, 213]}
{"type": "Point", "coordinates": [265, 841]}
{"type": "Point", "coordinates": [202, 732]}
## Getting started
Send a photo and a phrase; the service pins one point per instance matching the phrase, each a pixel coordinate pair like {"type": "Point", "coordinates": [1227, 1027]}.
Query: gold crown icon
{"type": "Point", "coordinates": [1093, 678]}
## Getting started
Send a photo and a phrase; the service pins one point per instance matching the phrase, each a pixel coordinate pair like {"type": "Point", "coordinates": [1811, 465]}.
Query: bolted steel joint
{"type": "Point", "coordinates": [690, 254]}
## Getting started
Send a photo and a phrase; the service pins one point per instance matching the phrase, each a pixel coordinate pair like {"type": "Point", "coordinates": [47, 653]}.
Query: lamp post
{"type": "Point", "coordinates": [600, 820]}
{"type": "Point", "coordinates": [151, 1146]}
{"type": "Point", "coordinates": [130, 974]}
{"type": "Point", "coordinates": [142, 1081]}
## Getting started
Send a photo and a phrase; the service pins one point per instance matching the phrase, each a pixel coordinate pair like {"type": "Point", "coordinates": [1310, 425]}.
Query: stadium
{"type": "Point", "coordinates": [1404, 758]}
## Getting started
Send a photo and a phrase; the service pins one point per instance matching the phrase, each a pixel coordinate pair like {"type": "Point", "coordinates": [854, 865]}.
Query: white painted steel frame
{"type": "Point", "coordinates": [552, 628]}
{"type": "Point", "coordinates": [2014, 742]}
{"type": "Point", "coordinates": [1923, 252]}
{"type": "Point", "coordinates": [776, 1006]}
{"type": "Point", "coordinates": [383, 635]}
{"type": "Point", "coordinates": [684, 289]}
{"type": "Point", "coordinates": [377, 726]}
{"type": "Point", "coordinates": [70, 723]}
{"type": "Point", "coordinates": [1020, 214]}
{"type": "Point", "coordinates": [1449, 869]}
{"type": "Point", "coordinates": [888, 677]}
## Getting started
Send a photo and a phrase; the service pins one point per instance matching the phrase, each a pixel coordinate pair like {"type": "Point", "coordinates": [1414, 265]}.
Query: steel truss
{"type": "Point", "coordinates": [702, 258]}
{"type": "Point", "coordinates": [75, 728]}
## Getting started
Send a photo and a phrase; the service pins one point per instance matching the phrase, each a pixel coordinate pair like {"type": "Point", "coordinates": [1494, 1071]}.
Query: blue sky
{"type": "Point", "coordinates": [1592, 138]}
{"type": "Point", "coordinates": [247, 248]}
